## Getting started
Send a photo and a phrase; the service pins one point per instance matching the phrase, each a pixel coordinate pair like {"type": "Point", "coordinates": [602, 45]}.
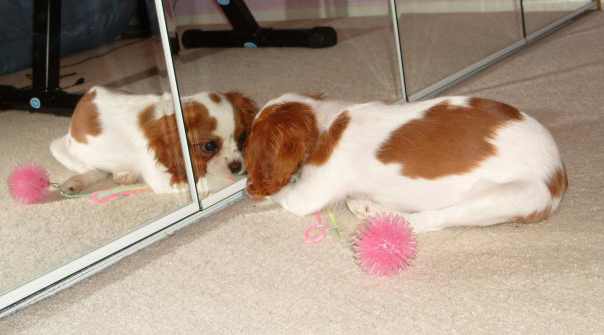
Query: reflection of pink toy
{"type": "Point", "coordinates": [384, 245]}
{"type": "Point", "coordinates": [100, 197]}
{"type": "Point", "coordinates": [29, 184]}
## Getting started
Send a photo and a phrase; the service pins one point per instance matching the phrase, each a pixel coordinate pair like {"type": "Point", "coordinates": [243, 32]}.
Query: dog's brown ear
{"type": "Point", "coordinates": [245, 110]}
{"type": "Point", "coordinates": [162, 138]}
{"type": "Point", "coordinates": [244, 106]}
{"type": "Point", "coordinates": [281, 139]}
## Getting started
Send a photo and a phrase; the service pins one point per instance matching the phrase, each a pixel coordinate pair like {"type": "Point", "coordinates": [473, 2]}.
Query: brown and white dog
{"type": "Point", "coordinates": [135, 138]}
{"type": "Point", "coordinates": [450, 161]}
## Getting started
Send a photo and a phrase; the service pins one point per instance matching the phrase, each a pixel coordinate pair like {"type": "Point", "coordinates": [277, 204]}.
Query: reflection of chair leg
{"type": "Point", "coordinates": [247, 33]}
{"type": "Point", "coordinates": [45, 96]}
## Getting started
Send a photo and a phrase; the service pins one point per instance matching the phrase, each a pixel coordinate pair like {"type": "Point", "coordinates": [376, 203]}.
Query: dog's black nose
{"type": "Point", "coordinates": [235, 167]}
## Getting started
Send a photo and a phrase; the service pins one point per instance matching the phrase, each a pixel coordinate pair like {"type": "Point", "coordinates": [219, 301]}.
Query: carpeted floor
{"type": "Point", "coordinates": [247, 269]}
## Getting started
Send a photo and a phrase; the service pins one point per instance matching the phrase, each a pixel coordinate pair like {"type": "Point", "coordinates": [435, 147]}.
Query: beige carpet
{"type": "Point", "coordinates": [247, 269]}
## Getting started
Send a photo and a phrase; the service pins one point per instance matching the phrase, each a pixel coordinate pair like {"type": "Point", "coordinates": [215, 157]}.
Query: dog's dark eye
{"type": "Point", "coordinates": [241, 140]}
{"type": "Point", "coordinates": [210, 147]}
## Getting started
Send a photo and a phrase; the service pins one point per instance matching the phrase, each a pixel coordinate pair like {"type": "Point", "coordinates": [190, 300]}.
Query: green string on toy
{"type": "Point", "coordinates": [336, 229]}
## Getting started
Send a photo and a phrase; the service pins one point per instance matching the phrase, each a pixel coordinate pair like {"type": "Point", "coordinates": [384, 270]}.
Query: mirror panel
{"type": "Point", "coordinates": [37, 238]}
{"type": "Point", "coordinates": [538, 14]}
{"type": "Point", "coordinates": [213, 58]}
{"type": "Point", "coordinates": [440, 38]}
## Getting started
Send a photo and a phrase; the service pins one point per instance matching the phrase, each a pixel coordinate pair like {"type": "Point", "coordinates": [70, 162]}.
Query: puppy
{"type": "Point", "coordinates": [451, 161]}
{"type": "Point", "coordinates": [135, 138]}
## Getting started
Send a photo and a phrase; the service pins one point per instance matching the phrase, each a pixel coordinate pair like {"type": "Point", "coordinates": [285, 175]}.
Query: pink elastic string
{"type": "Point", "coordinates": [100, 197]}
{"type": "Point", "coordinates": [313, 228]}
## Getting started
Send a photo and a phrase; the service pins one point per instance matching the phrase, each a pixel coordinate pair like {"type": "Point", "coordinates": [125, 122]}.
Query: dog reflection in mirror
{"type": "Point", "coordinates": [135, 138]}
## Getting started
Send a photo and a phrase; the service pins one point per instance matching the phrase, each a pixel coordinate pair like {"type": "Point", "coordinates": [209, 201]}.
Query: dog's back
{"type": "Point", "coordinates": [460, 161]}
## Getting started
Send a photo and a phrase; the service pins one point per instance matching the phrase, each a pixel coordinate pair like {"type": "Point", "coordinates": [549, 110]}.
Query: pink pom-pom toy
{"type": "Point", "coordinates": [29, 184]}
{"type": "Point", "coordinates": [384, 245]}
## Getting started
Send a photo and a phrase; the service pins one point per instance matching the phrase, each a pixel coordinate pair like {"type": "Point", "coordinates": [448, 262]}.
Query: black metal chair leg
{"type": "Point", "coordinates": [45, 95]}
{"type": "Point", "coordinates": [247, 33]}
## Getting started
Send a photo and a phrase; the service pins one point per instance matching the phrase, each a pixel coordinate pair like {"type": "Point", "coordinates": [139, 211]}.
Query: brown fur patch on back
{"type": "Point", "coordinates": [328, 140]}
{"type": "Point", "coordinates": [448, 140]}
{"type": "Point", "coordinates": [85, 119]}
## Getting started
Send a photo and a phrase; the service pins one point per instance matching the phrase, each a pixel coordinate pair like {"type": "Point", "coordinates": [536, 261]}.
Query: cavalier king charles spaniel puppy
{"type": "Point", "coordinates": [135, 138]}
{"type": "Point", "coordinates": [449, 161]}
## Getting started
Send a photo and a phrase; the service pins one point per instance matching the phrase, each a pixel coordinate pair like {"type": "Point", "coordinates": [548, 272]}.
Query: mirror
{"type": "Point", "coordinates": [264, 49]}
{"type": "Point", "coordinates": [119, 54]}
{"type": "Point", "coordinates": [439, 39]}
{"type": "Point", "coordinates": [538, 14]}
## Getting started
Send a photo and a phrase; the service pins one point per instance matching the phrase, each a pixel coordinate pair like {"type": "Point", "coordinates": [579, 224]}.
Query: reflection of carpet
{"type": "Point", "coordinates": [247, 270]}
{"type": "Point", "coordinates": [361, 66]}
{"type": "Point", "coordinates": [438, 45]}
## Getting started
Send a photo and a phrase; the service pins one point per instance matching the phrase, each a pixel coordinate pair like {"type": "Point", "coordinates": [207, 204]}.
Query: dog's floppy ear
{"type": "Point", "coordinates": [243, 105]}
{"type": "Point", "coordinates": [162, 136]}
{"type": "Point", "coordinates": [245, 110]}
{"type": "Point", "coordinates": [281, 139]}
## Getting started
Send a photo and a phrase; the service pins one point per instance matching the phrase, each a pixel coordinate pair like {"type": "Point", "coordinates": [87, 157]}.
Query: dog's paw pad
{"type": "Point", "coordinates": [72, 186]}
{"type": "Point", "coordinates": [362, 209]}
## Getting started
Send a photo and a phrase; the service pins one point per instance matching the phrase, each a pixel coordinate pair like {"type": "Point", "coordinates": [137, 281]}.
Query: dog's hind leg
{"type": "Point", "coordinates": [486, 204]}
{"type": "Point", "coordinates": [490, 203]}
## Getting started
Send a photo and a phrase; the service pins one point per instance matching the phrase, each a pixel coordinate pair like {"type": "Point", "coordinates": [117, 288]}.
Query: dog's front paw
{"type": "Point", "coordinates": [280, 199]}
{"type": "Point", "coordinates": [73, 185]}
{"type": "Point", "coordinates": [125, 178]}
{"type": "Point", "coordinates": [364, 208]}
{"type": "Point", "coordinates": [288, 199]}
{"type": "Point", "coordinates": [361, 208]}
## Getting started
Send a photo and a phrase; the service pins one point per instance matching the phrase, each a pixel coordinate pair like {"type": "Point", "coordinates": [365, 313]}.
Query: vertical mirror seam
{"type": "Point", "coordinates": [176, 100]}
{"type": "Point", "coordinates": [399, 51]}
